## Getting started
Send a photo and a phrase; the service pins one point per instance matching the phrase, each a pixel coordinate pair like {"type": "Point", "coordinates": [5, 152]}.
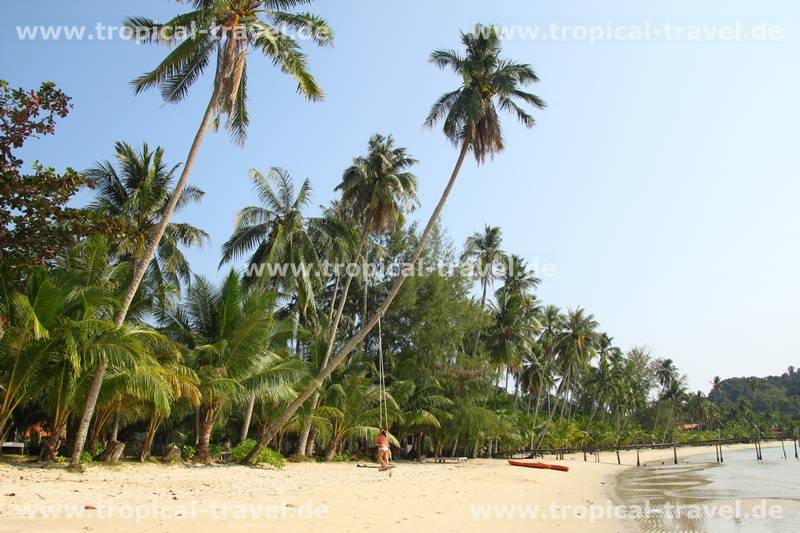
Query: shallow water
{"type": "Point", "coordinates": [699, 495]}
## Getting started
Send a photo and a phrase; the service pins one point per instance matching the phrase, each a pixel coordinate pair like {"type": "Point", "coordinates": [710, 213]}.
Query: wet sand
{"type": "Point", "coordinates": [740, 495]}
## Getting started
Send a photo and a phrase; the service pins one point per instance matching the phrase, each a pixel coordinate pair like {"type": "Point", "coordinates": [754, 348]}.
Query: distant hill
{"type": "Point", "coordinates": [772, 394]}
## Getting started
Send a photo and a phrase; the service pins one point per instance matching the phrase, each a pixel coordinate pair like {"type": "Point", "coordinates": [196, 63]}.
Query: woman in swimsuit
{"type": "Point", "coordinates": [383, 449]}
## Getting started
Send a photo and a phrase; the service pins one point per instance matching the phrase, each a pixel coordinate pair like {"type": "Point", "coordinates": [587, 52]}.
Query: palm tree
{"type": "Point", "coordinates": [484, 250]}
{"type": "Point", "coordinates": [226, 30]}
{"type": "Point", "coordinates": [230, 333]}
{"type": "Point", "coordinates": [577, 347]}
{"type": "Point", "coordinates": [60, 327]}
{"type": "Point", "coordinates": [281, 234]}
{"type": "Point", "coordinates": [137, 194]}
{"type": "Point", "coordinates": [517, 279]}
{"type": "Point", "coordinates": [510, 337]}
{"type": "Point", "coordinates": [351, 406]}
{"type": "Point", "coordinates": [471, 121]}
{"type": "Point", "coordinates": [378, 190]}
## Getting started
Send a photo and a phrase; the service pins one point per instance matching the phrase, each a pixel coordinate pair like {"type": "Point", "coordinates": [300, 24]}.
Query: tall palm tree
{"type": "Point", "coordinates": [136, 193]}
{"type": "Point", "coordinates": [280, 235]}
{"type": "Point", "coordinates": [226, 30]}
{"type": "Point", "coordinates": [471, 122]}
{"type": "Point", "coordinates": [577, 348]}
{"type": "Point", "coordinates": [517, 279]}
{"type": "Point", "coordinates": [378, 190]}
{"type": "Point", "coordinates": [484, 250]}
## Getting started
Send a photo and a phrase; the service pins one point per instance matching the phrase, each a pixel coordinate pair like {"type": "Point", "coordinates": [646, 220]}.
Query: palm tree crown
{"type": "Point", "coordinates": [377, 188]}
{"type": "Point", "coordinates": [137, 193]}
{"type": "Point", "coordinates": [470, 112]}
{"type": "Point", "coordinates": [229, 29]}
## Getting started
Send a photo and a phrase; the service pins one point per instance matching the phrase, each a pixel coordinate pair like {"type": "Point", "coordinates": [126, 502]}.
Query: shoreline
{"type": "Point", "coordinates": [472, 496]}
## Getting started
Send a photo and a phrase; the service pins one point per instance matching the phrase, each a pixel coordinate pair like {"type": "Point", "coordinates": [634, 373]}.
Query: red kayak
{"type": "Point", "coordinates": [539, 465]}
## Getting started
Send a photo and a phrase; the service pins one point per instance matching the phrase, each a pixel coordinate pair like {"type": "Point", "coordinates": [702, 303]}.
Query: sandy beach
{"type": "Point", "coordinates": [473, 496]}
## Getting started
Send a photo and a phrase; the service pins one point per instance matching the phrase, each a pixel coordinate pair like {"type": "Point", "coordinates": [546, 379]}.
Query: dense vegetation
{"type": "Point", "coordinates": [778, 396]}
{"type": "Point", "coordinates": [107, 340]}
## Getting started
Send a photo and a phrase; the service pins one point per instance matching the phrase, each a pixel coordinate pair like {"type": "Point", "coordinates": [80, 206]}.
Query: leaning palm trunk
{"type": "Point", "coordinates": [354, 341]}
{"type": "Point", "coordinates": [248, 416]}
{"type": "Point", "coordinates": [203, 446]}
{"type": "Point", "coordinates": [138, 274]}
{"type": "Point", "coordinates": [155, 421]}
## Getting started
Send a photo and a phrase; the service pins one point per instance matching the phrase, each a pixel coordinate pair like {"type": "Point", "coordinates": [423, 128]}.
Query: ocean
{"type": "Point", "coordinates": [699, 495]}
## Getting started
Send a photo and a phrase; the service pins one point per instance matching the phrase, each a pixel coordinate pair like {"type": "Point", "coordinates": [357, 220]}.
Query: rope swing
{"type": "Point", "coordinates": [382, 404]}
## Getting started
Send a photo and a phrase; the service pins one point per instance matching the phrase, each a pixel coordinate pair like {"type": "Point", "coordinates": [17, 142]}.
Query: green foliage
{"type": "Point", "coordinates": [266, 456]}
{"type": "Point", "coordinates": [36, 223]}
{"type": "Point", "coordinates": [187, 452]}
{"type": "Point", "coordinates": [86, 457]}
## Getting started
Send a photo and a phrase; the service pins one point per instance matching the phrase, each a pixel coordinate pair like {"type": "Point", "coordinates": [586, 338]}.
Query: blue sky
{"type": "Point", "coordinates": [661, 181]}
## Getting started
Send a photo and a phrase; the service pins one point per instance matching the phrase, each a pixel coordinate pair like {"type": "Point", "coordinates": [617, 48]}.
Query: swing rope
{"type": "Point", "coordinates": [382, 404]}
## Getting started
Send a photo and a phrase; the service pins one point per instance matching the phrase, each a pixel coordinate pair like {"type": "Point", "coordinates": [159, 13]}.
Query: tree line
{"type": "Point", "coordinates": [107, 332]}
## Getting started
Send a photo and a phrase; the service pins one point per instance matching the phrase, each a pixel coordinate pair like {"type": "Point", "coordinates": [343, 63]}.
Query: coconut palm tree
{"type": "Point", "coordinates": [61, 327]}
{"type": "Point", "coordinates": [517, 279]}
{"type": "Point", "coordinates": [470, 121]}
{"type": "Point", "coordinates": [378, 190]}
{"type": "Point", "coordinates": [577, 347]}
{"type": "Point", "coordinates": [351, 406]}
{"type": "Point", "coordinates": [484, 250]}
{"type": "Point", "coordinates": [136, 193]}
{"type": "Point", "coordinates": [282, 238]}
{"type": "Point", "coordinates": [230, 333]}
{"type": "Point", "coordinates": [224, 31]}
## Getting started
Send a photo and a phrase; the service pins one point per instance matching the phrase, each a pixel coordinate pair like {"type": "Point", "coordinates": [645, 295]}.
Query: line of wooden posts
{"type": "Point", "coordinates": [718, 444]}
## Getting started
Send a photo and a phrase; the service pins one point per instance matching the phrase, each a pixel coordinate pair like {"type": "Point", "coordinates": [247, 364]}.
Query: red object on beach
{"type": "Point", "coordinates": [544, 466]}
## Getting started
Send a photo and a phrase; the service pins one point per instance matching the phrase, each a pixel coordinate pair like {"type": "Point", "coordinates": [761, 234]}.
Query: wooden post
{"type": "Point", "coordinates": [584, 455]}
{"type": "Point", "coordinates": [760, 452]}
{"type": "Point", "coordinates": [716, 451]}
{"type": "Point", "coordinates": [794, 434]}
{"type": "Point", "coordinates": [618, 460]}
{"type": "Point", "coordinates": [675, 453]}
{"type": "Point", "coordinates": [784, 449]}
{"type": "Point", "coordinates": [638, 463]}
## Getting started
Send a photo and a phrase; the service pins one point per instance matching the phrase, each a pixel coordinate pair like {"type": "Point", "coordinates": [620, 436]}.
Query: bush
{"type": "Point", "coordinates": [215, 450]}
{"type": "Point", "coordinates": [266, 455]}
{"type": "Point", "coordinates": [187, 452]}
{"type": "Point", "coordinates": [341, 457]}
{"type": "Point", "coordinates": [86, 457]}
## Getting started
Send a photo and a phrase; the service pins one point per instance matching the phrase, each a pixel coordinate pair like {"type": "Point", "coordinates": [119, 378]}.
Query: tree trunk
{"type": "Point", "coordinates": [326, 371]}
{"type": "Point", "coordinates": [475, 448]}
{"type": "Point", "coordinates": [455, 447]}
{"type": "Point", "coordinates": [333, 298]}
{"type": "Point", "coordinates": [148, 439]}
{"type": "Point", "coordinates": [115, 427]}
{"type": "Point", "coordinates": [113, 452]}
{"type": "Point", "coordinates": [302, 440]}
{"type": "Point", "coordinates": [480, 320]}
{"type": "Point", "coordinates": [310, 447]}
{"type": "Point", "coordinates": [330, 451]}
{"type": "Point", "coordinates": [143, 263]}
{"type": "Point", "coordinates": [203, 455]}
{"type": "Point", "coordinates": [51, 446]}
{"type": "Point", "coordinates": [248, 416]}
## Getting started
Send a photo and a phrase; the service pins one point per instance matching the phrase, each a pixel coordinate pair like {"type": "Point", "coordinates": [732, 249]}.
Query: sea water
{"type": "Point", "coordinates": [698, 495]}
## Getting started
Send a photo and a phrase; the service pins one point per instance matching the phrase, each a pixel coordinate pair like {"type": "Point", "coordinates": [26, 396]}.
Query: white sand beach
{"type": "Point", "coordinates": [474, 496]}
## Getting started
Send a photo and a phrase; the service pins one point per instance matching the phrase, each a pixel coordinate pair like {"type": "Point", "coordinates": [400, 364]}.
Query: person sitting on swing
{"type": "Point", "coordinates": [382, 440]}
